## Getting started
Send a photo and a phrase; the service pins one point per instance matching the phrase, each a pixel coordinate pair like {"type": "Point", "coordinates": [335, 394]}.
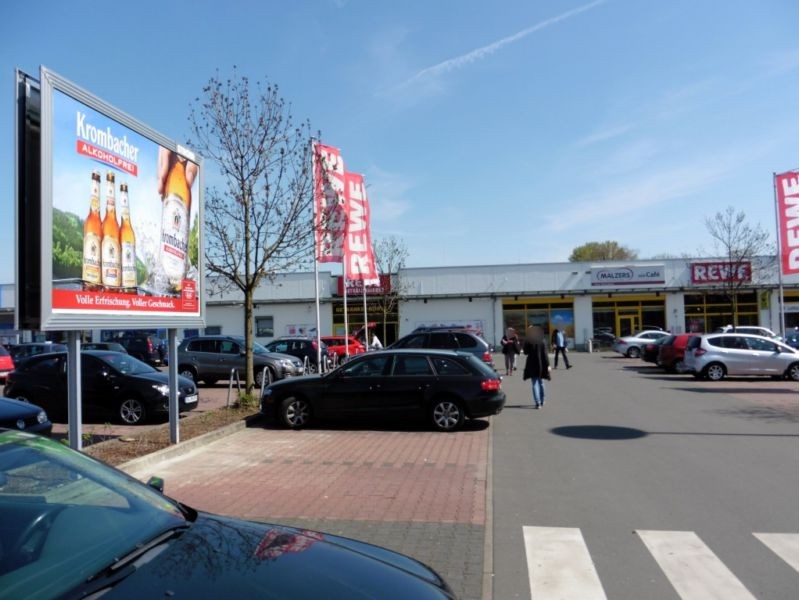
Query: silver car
{"type": "Point", "coordinates": [632, 346]}
{"type": "Point", "coordinates": [716, 355]}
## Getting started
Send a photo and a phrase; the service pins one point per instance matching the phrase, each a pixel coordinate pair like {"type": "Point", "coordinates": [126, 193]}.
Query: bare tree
{"type": "Point", "coordinates": [390, 256]}
{"type": "Point", "coordinates": [738, 243]}
{"type": "Point", "coordinates": [258, 221]}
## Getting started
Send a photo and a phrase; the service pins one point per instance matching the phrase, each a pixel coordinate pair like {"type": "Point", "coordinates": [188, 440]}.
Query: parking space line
{"type": "Point", "coordinates": [784, 545]}
{"type": "Point", "coordinates": [559, 565]}
{"type": "Point", "coordinates": [692, 568]}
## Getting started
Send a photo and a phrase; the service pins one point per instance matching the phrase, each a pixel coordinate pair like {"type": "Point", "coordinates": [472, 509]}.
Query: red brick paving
{"type": "Point", "coordinates": [416, 476]}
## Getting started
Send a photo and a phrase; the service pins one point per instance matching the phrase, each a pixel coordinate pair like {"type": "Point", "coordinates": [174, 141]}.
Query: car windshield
{"type": "Point", "coordinates": [258, 348]}
{"type": "Point", "coordinates": [126, 364]}
{"type": "Point", "coordinates": [66, 517]}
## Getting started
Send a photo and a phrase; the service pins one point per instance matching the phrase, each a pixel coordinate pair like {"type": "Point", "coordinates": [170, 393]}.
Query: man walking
{"type": "Point", "coordinates": [559, 342]}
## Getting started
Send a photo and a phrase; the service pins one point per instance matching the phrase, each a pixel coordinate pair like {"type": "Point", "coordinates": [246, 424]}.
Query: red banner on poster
{"type": "Point", "coordinates": [358, 253]}
{"type": "Point", "coordinates": [787, 185]}
{"type": "Point", "coordinates": [103, 302]}
{"type": "Point", "coordinates": [330, 203]}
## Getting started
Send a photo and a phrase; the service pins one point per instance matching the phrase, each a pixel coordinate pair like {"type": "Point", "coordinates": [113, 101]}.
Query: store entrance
{"type": "Point", "coordinates": [627, 324]}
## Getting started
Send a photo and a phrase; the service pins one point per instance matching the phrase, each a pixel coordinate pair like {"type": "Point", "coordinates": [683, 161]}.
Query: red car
{"type": "Point", "coordinates": [337, 344]}
{"type": "Point", "coordinates": [672, 351]}
{"type": "Point", "coordinates": [6, 363]}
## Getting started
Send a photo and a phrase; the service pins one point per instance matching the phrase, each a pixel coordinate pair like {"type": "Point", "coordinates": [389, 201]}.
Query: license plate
{"type": "Point", "coordinates": [191, 399]}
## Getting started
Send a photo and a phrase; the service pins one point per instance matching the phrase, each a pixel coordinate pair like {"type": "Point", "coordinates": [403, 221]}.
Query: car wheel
{"type": "Point", "coordinates": [260, 375]}
{"type": "Point", "coordinates": [22, 399]}
{"type": "Point", "coordinates": [295, 412]}
{"type": "Point", "coordinates": [634, 352]}
{"type": "Point", "coordinates": [715, 372]}
{"type": "Point", "coordinates": [132, 411]}
{"type": "Point", "coordinates": [447, 415]}
{"type": "Point", "coordinates": [312, 368]}
{"type": "Point", "coordinates": [793, 372]}
{"type": "Point", "coordinates": [677, 366]}
{"type": "Point", "coordinates": [188, 373]}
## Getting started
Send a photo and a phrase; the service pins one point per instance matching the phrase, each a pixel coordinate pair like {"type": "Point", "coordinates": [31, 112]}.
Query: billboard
{"type": "Point", "coordinates": [121, 215]}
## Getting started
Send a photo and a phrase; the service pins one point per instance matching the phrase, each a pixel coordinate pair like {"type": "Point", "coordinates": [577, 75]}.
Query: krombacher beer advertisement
{"type": "Point", "coordinates": [126, 238]}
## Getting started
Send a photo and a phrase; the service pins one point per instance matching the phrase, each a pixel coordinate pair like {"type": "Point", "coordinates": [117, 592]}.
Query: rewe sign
{"type": "Point", "coordinates": [721, 272]}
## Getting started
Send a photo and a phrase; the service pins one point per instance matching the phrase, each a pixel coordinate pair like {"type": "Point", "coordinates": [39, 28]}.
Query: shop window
{"type": "Point", "coordinates": [264, 327]}
{"type": "Point", "coordinates": [213, 330]}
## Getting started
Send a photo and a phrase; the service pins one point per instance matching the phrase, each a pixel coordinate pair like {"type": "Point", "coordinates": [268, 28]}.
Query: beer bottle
{"type": "Point", "coordinates": [127, 240]}
{"type": "Point", "coordinates": [92, 235]}
{"type": "Point", "coordinates": [111, 259]}
{"type": "Point", "coordinates": [175, 225]}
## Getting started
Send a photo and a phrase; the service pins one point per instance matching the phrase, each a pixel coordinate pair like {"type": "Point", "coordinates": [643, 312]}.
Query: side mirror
{"type": "Point", "coordinates": [156, 483]}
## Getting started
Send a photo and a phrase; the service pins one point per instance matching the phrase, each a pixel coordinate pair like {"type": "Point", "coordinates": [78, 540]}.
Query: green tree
{"type": "Point", "coordinates": [259, 223]}
{"type": "Point", "coordinates": [599, 251]}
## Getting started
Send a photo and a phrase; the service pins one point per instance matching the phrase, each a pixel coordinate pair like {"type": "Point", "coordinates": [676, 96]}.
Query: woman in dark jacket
{"type": "Point", "coordinates": [537, 366]}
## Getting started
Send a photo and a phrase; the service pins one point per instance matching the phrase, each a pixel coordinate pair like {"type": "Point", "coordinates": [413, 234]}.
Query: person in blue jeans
{"type": "Point", "coordinates": [559, 341]}
{"type": "Point", "coordinates": [536, 368]}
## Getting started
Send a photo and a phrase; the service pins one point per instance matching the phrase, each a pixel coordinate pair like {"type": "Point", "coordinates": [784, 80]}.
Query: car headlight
{"type": "Point", "coordinates": [163, 388]}
{"type": "Point", "coordinates": [41, 417]}
{"type": "Point", "coordinates": [286, 363]}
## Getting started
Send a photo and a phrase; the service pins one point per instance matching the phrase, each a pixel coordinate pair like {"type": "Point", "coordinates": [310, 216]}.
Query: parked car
{"type": "Point", "coordinates": [792, 339]}
{"type": "Point", "coordinates": [302, 348]}
{"type": "Point", "coordinates": [751, 329]}
{"type": "Point", "coordinates": [447, 339]}
{"type": "Point", "coordinates": [337, 344]}
{"type": "Point", "coordinates": [20, 352]}
{"type": "Point", "coordinates": [210, 358]}
{"type": "Point", "coordinates": [672, 351]}
{"type": "Point", "coordinates": [15, 414]}
{"type": "Point", "coordinates": [652, 349]}
{"type": "Point", "coordinates": [714, 356]}
{"type": "Point", "coordinates": [111, 383]}
{"type": "Point", "coordinates": [445, 387]}
{"type": "Point", "coordinates": [146, 348]}
{"type": "Point", "coordinates": [112, 346]}
{"type": "Point", "coordinates": [6, 363]}
{"type": "Point", "coordinates": [603, 338]}
{"type": "Point", "coordinates": [632, 346]}
{"type": "Point", "coordinates": [73, 527]}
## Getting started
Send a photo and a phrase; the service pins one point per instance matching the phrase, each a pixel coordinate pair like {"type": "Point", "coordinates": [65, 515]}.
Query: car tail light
{"type": "Point", "coordinates": [487, 357]}
{"type": "Point", "coordinates": [149, 344]}
{"type": "Point", "coordinates": [700, 352]}
{"type": "Point", "coordinates": [313, 345]}
{"type": "Point", "coordinates": [490, 385]}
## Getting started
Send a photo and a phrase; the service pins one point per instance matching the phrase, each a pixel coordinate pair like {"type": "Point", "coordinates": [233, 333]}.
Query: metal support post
{"type": "Point", "coordinates": [74, 412]}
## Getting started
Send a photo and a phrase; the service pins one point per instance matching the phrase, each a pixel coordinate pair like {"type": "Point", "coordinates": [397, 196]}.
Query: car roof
{"type": "Point", "coordinates": [427, 351]}
{"type": "Point", "coordinates": [238, 338]}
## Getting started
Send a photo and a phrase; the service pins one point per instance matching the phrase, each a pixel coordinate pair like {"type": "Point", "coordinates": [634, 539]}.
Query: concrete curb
{"type": "Point", "coordinates": [182, 448]}
{"type": "Point", "coordinates": [488, 534]}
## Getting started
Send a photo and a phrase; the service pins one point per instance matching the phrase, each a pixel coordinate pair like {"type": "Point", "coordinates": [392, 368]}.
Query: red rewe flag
{"type": "Point", "coordinates": [787, 185]}
{"type": "Point", "coordinates": [358, 253]}
{"type": "Point", "coordinates": [330, 203]}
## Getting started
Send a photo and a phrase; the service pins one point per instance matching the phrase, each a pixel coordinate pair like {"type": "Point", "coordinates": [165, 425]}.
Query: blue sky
{"type": "Point", "coordinates": [489, 132]}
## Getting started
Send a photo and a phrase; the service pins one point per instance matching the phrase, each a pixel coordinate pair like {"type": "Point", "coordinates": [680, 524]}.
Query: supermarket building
{"type": "Point", "coordinates": [678, 295]}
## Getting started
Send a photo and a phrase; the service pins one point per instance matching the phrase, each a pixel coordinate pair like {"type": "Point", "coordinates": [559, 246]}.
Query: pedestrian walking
{"type": "Point", "coordinates": [537, 366]}
{"type": "Point", "coordinates": [559, 343]}
{"type": "Point", "coordinates": [510, 348]}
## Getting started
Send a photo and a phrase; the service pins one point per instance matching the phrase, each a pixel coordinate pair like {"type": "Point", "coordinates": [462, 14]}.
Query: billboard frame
{"type": "Point", "coordinates": [49, 83]}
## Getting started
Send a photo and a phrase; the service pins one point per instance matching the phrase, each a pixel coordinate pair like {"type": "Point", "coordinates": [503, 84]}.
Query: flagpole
{"type": "Point", "coordinates": [316, 265]}
{"type": "Point", "coordinates": [779, 256]}
{"type": "Point", "coordinates": [346, 320]}
{"type": "Point", "coordinates": [365, 318]}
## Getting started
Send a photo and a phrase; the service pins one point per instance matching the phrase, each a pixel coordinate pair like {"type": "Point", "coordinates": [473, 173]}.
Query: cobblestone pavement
{"type": "Point", "coordinates": [416, 491]}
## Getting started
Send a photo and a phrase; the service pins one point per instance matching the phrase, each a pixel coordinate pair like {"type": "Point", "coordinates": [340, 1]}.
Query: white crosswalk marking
{"type": "Point", "coordinates": [784, 545]}
{"type": "Point", "coordinates": [559, 565]}
{"type": "Point", "coordinates": [692, 568]}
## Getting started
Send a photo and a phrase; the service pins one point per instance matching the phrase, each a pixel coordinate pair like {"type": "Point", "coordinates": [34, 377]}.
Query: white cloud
{"type": "Point", "coordinates": [429, 74]}
{"type": "Point", "coordinates": [603, 135]}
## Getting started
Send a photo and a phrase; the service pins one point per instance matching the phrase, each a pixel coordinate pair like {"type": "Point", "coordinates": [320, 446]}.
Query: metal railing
{"type": "Point", "coordinates": [234, 375]}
